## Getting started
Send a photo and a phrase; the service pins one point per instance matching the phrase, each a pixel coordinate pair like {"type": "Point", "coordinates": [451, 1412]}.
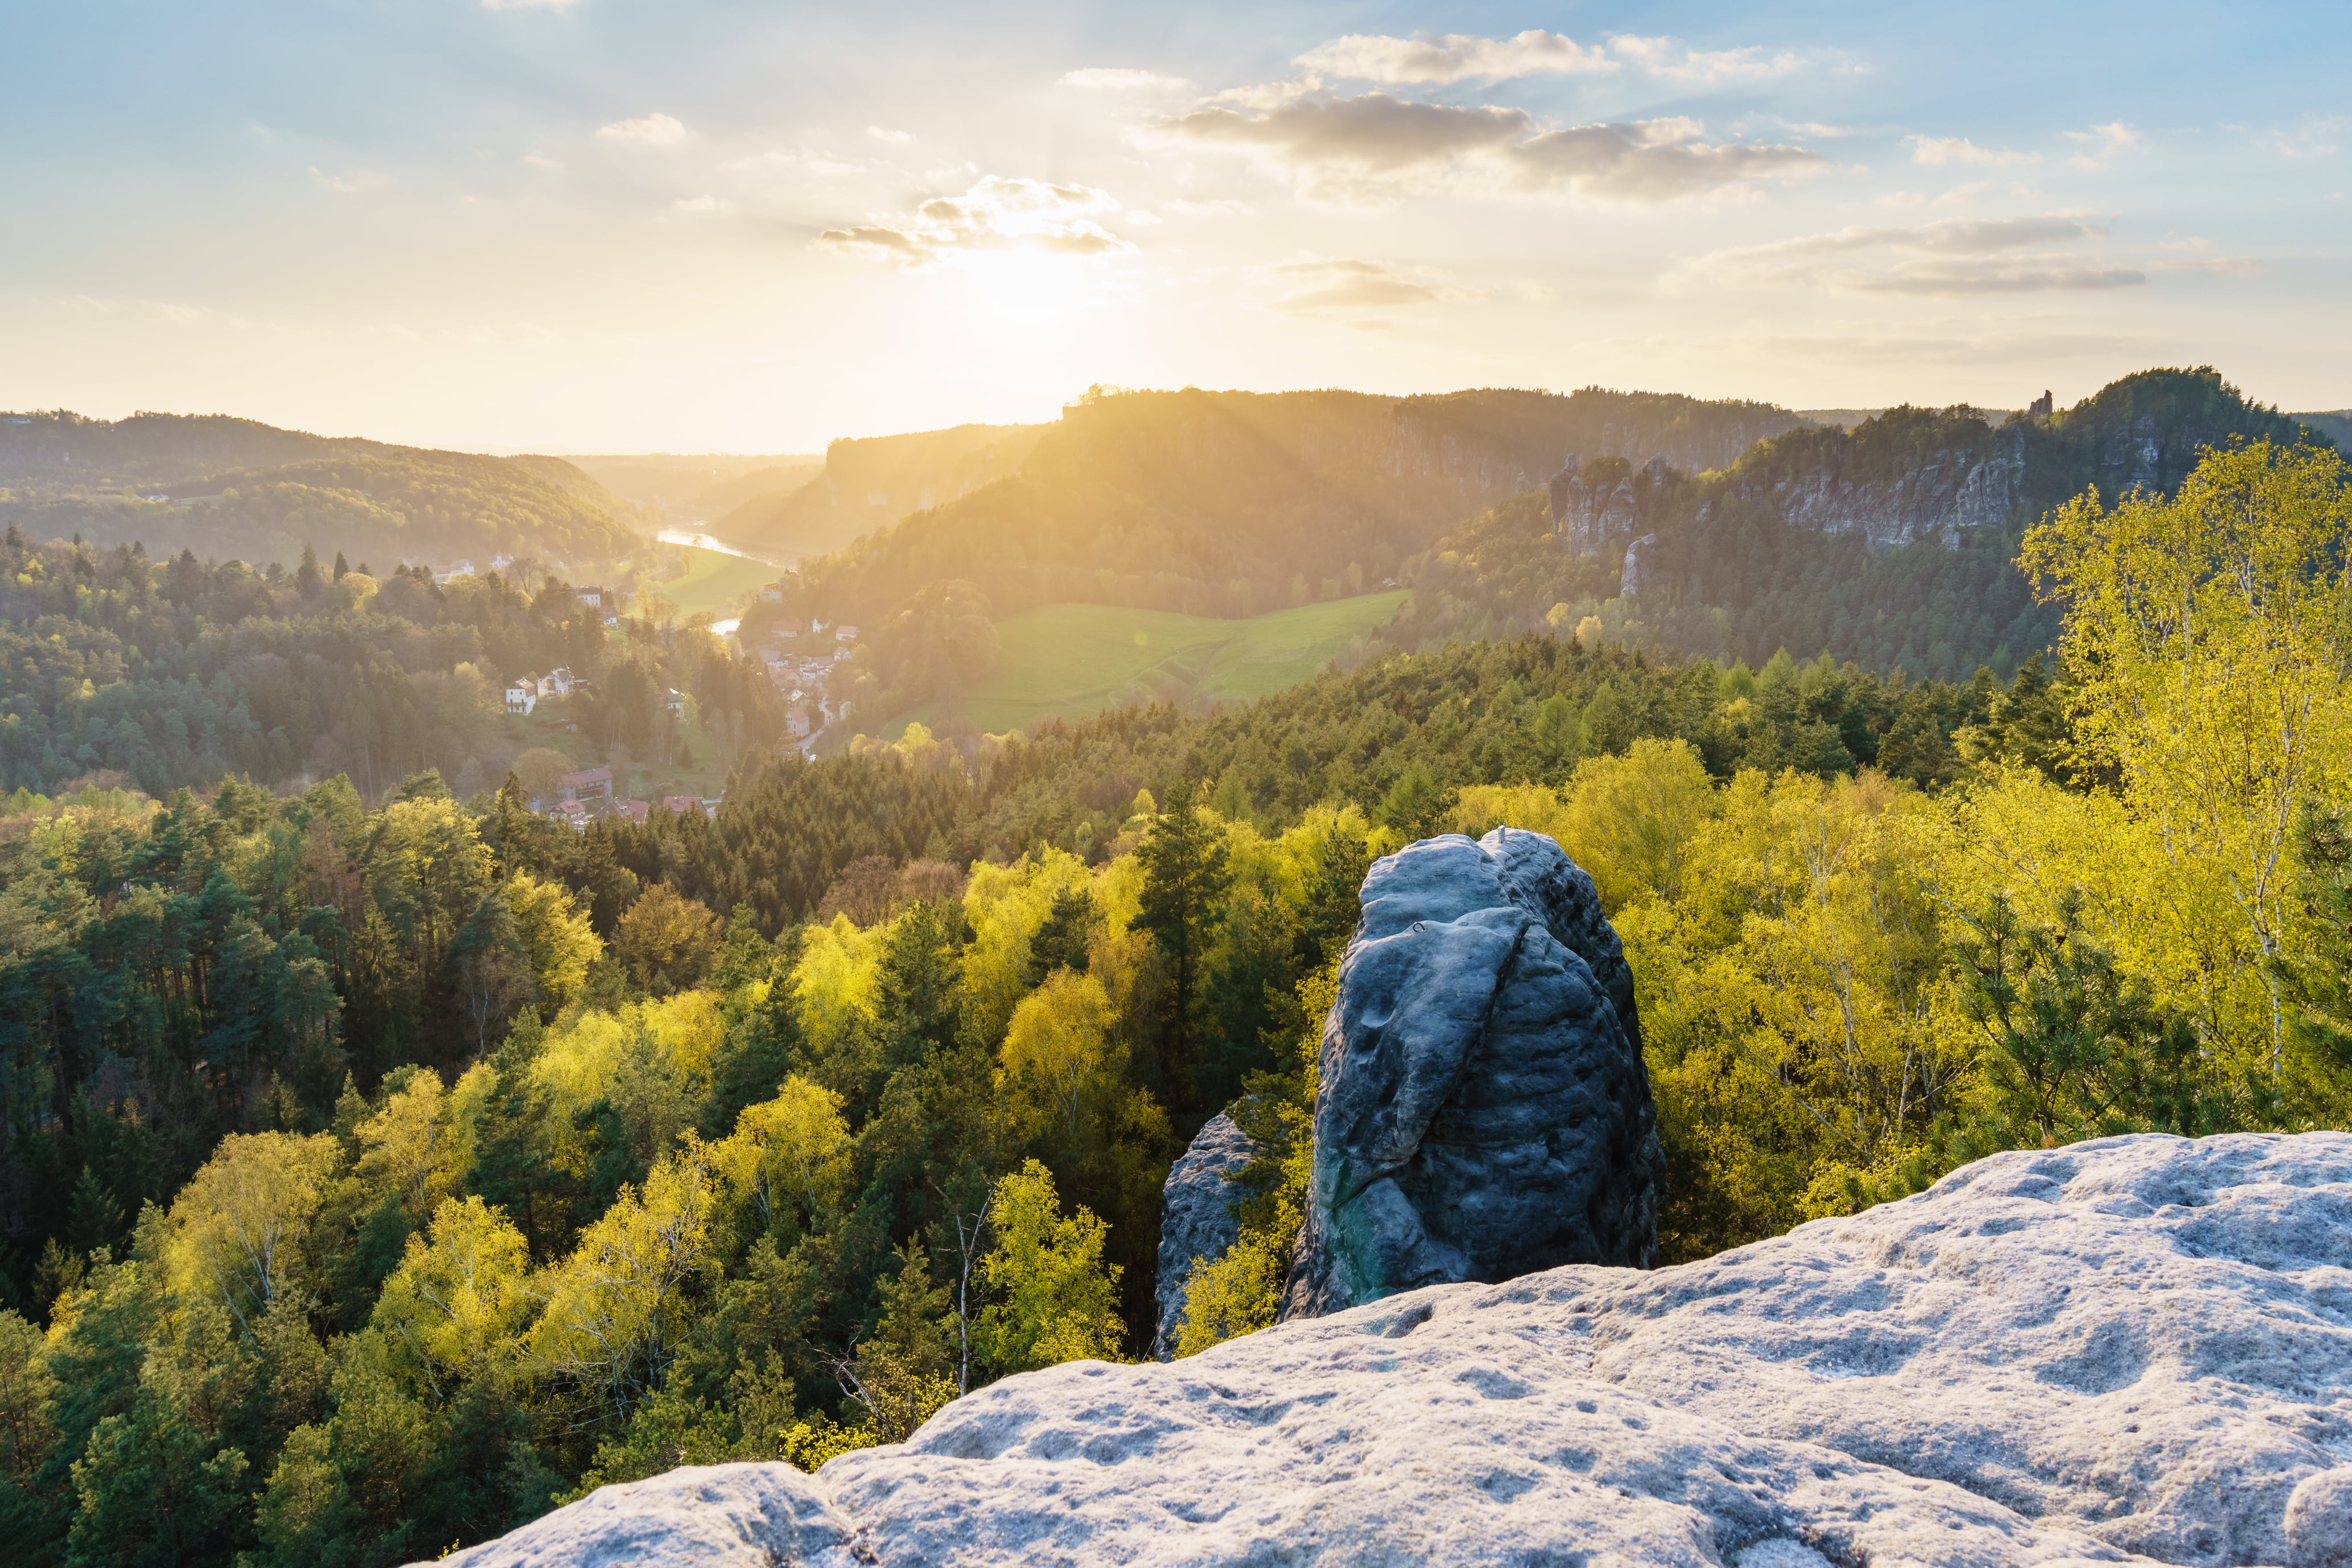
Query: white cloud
{"type": "Point", "coordinates": [1115, 79]}
{"type": "Point", "coordinates": [699, 204]}
{"type": "Point", "coordinates": [1180, 207]}
{"type": "Point", "coordinates": [539, 161]}
{"type": "Point", "coordinates": [1934, 151]}
{"type": "Point", "coordinates": [897, 138]}
{"type": "Point", "coordinates": [651, 131]}
{"type": "Point", "coordinates": [1444, 58]}
{"type": "Point", "coordinates": [1958, 196]}
{"type": "Point", "coordinates": [997, 214]}
{"type": "Point", "coordinates": [2314, 136]}
{"type": "Point", "coordinates": [1375, 146]}
{"type": "Point", "coordinates": [1321, 287]}
{"type": "Point", "coordinates": [332, 182]}
{"type": "Point", "coordinates": [1951, 257]}
{"type": "Point", "coordinates": [1673, 58]}
{"type": "Point", "coordinates": [2107, 141]}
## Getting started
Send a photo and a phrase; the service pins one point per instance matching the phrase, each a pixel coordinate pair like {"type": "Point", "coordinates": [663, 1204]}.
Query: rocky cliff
{"type": "Point", "coordinates": [1196, 1218]}
{"type": "Point", "coordinates": [1483, 1111]}
{"type": "Point", "coordinates": [2132, 1350]}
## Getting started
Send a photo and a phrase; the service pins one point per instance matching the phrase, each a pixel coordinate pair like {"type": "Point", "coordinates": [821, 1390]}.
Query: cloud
{"type": "Point", "coordinates": [1442, 58]}
{"type": "Point", "coordinates": [897, 138]}
{"type": "Point", "coordinates": [1329, 286]}
{"type": "Point", "coordinates": [997, 214]}
{"type": "Point", "coordinates": [543, 163]}
{"type": "Point", "coordinates": [2314, 136]}
{"type": "Point", "coordinates": [1181, 207]}
{"type": "Point", "coordinates": [332, 181]}
{"type": "Point", "coordinates": [699, 204]}
{"type": "Point", "coordinates": [1952, 257]}
{"type": "Point", "coordinates": [1115, 79]}
{"type": "Point", "coordinates": [2107, 141]}
{"type": "Point", "coordinates": [1936, 149]}
{"type": "Point", "coordinates": [1375, 145]}
{"type": "Point", "coordinates": [1673, 58]}
{"type": "Point", "coordinates": [652, 130]}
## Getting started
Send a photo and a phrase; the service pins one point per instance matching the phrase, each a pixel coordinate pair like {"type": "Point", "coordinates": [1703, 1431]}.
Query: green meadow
{"type": "Point", "coordinates": [1070, 660]}
{"type": "Point", "coordinates": [714, 581]}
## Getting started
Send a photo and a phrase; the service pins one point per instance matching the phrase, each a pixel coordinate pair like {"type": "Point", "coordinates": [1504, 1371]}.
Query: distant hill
{"type": "Point", "coordinates": [227, 488]}
{"type": "Point", "coordinates": [691, 489]}
{"type": "Point", "coordinates": [2335, 424]}
{"type": "Point", "coordinates": [1234, 503]}
{"type": "Point", "coordinates": [870, 482]}
{"type": "Point", "coordinates": [1892, 543]}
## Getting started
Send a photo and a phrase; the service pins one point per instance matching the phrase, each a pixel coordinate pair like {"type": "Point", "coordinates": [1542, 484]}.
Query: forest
{"type": "Point", "coordinates": [236, 488]}
{"type": "Point", "coordinates": [177, 673]}
{"type": "Point", "coordinates": [385, 1163]}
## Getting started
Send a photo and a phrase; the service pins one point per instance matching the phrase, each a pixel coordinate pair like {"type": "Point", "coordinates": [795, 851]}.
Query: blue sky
{"type": "Point", "coordinates": [609, 224]}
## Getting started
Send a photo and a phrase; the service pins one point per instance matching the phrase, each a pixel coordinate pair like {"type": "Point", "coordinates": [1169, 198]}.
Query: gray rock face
{"type": "Point", "coordinates": [1483, 1111]}
{"type": "Point", "coordinates": [1197, 1219]}
{"type": "Point", "coordinates": [1956, 489]}
{"type": "Point", "coordinates": [2135, 1346]}
{"type": "Point", "coordinates": [1629, 577]}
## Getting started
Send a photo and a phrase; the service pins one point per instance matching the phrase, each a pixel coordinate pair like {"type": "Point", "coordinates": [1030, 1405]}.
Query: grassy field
{"type": "Point", "coordinates": [714, 581]}
{"type": "Point", "coordinates": [1070, 660]}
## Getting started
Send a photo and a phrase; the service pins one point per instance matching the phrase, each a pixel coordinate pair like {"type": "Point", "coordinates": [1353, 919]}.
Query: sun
{"type": "Point", "coordinates": [1025, 287]}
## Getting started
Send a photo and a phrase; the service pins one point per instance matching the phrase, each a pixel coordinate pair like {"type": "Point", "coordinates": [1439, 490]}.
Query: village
{"type": "Point", "coordinates": [805, 661]}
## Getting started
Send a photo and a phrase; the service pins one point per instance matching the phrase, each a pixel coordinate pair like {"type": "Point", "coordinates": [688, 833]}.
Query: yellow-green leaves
{"type": "Point", "coordinates": [457, 1306]}
{"type": "Point", "coordinates": [2210, 635]}
{"type": "Point", "coordinates": [555, 931]}
{"type": "Point", "coordinates": [792, 1150]}
{"type": "Point", "coordinates": [615, 1307]}
{"type": "Point", "coordinates": [1060, 1301]}
{"type": "Point", "coordinates": [1057, 1042]}
{"type": "Point", "coordinates": [238, 1227]}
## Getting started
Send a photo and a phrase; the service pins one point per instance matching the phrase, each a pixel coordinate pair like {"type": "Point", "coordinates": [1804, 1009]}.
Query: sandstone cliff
{"type": "Point", "coordinates": [2132, 1350]}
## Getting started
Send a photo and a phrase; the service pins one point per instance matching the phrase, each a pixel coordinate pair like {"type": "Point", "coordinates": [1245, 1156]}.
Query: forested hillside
{"type": "Point", "coordinates": [1892, 544]}
{"type": "Point", "coordinates": [175, 673]}
{"type": "Point", "coordinates": [233, 488]}
{"type": "Point", "coordinates": [378, 1170]}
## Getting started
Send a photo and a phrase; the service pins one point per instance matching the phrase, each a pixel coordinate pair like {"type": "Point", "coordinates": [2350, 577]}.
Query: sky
{"type": "Point", "coordinates": [612, 225]}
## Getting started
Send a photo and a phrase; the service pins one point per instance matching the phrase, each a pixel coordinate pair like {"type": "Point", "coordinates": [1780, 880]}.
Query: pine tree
{"type": "Point", "coordinates": [1185, 877]}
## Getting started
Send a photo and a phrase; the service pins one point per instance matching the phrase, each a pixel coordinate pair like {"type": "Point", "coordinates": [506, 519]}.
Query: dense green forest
{"type": "Point", "coordinates": [234, 489]}
{"type": "Point", "coordinates": [168, 673]}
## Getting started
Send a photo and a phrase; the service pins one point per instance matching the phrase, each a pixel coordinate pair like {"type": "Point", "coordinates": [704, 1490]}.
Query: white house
{"type": "Point", "coordinates": [796, 723]}
{"type": "Point", "coordinates": [521, 696]}
{"type": "Point", "coordinates": [555, 683]}
{"type": "Point", "coordinates": [676, 701]}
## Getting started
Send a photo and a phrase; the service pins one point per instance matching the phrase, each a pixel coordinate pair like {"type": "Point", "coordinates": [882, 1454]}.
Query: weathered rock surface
{"type": "Point", "coordinates": [1197, 1217]}
{"type": "Point", "coordinates": [2139, 1345]}
{"type": "Point", "coordinates": [1483, 1111]}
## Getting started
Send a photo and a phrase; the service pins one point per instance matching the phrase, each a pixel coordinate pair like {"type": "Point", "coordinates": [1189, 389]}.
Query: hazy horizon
{"type": "Point", "coordinates": [586, 226]}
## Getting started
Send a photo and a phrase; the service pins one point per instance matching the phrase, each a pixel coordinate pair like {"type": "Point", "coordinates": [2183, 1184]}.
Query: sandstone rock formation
{"type": "Point", "coordinates": [1197, 1219]}
{"type": "Point", "coordinates": [1597, 507]}
{"type": "Point", "coordinates": [1483, 1111]}
{"type": "Point", "coordinates": [2138, 1345]}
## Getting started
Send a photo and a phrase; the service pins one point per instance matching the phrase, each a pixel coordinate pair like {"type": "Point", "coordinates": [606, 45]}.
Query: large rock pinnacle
{"type": "Point", "coordinates": [1483, 1112]}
